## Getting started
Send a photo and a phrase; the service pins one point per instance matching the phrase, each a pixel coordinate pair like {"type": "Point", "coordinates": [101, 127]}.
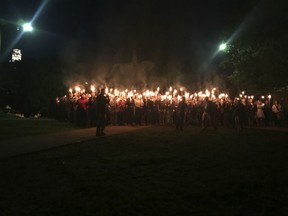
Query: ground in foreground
{"type": "Point", "coordinates": [154, 171]}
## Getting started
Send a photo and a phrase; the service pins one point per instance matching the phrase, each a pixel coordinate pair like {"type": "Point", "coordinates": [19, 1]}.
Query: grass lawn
{"type": "Point", "coordinates": [153, 171]}
{"type": "Point", "coordinates": [11, 126]}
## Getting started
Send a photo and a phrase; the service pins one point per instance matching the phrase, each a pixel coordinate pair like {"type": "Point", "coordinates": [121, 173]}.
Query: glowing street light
{"type": "Point", "coordinates": [222, 46]}
{"type": "Point", "coordinates": [27, 27]}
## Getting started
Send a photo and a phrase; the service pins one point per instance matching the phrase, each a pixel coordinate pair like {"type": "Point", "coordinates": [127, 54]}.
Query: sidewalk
{"type": "Point", "coordinates": [19, 146]}
{"type": "Point", "coordinates": [270, 128]}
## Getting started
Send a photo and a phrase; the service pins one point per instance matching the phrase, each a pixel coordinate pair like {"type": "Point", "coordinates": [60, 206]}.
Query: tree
{"type": "Point", "coordinates": [29, 86]}
{"type": "Point", "coordinates": [258, 60]}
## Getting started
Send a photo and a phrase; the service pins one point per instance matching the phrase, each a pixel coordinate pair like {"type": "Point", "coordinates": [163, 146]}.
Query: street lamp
{"type": "Point", "coordinates": [26, 27]}
{"type": "Point", "coordinates": [222, 46]}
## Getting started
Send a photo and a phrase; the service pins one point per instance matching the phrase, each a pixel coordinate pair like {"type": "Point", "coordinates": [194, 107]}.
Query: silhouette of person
{"type": "Point", "coordinates": [101, 102]}
{"type": "Point", "coordinates": [180, 114]}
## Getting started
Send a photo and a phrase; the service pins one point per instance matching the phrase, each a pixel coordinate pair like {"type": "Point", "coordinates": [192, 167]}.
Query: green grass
{"type": "Point", "coordinates": [11, 126]}
{"type": "Point", "coordinates": [154, 171]}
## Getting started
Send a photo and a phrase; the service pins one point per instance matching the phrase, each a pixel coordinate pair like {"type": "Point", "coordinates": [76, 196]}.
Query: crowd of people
{"type": "Point", "coordinates": [207, 111]}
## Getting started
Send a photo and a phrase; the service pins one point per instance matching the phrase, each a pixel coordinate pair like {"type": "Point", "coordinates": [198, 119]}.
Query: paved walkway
{"type": "Point", "coordinates": [282, 129]}
{"type": "Point", "coordinates": [24, 145]}
{"type": "Point", "coordinates": [19, 146]}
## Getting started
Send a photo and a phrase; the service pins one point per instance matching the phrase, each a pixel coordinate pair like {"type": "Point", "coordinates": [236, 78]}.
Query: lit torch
{"type": "Point", "coordinates": [92, 87]}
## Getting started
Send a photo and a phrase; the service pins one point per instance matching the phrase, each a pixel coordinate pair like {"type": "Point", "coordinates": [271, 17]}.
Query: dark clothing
{"type": "Point", "coordinates": [101, 102]}
{"type": "Point", "coordinates": [130, 109]}
{"type": "Point", "coordinates": [180, 114]}
{"type": "Point", "coordinates": [239, 115]}
{"type": "Point", "coordinates": [82, 112]}
{"type": "Point", "coordinates": [92, 111]}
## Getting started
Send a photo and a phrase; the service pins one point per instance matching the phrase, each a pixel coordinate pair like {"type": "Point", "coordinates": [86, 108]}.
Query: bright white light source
{"type": "Point", "coordinates": [222, 46]}
{"type": "Point", "coordinates": [27, 27]}
{"type": "Point", "coordinates": [16, 55]}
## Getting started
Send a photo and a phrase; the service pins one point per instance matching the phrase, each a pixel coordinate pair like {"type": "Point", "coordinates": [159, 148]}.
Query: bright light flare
{"type": "Point", "coordinates": [92, 87]}
{"type": "Point", "coordinates": [27, 27]}
{"type": "Point", "coordinates": [222, 46]}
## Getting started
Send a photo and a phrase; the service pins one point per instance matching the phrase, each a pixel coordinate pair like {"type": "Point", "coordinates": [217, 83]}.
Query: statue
{"type": "Point", "coordinates": [131, 73]}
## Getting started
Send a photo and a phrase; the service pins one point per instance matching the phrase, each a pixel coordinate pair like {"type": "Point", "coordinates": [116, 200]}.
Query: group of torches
{"type": "Point", "coordinates": [171, 95]}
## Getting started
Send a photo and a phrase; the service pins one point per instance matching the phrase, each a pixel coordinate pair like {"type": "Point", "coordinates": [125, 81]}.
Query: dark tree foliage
{"type": "Point", "coordinates": [29, 86]}
{"type": "Point", "coordinates": [258, 59]}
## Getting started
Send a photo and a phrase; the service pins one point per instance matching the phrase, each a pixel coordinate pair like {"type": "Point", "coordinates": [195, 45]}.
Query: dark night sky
{"type": "Point", "coordinates": [102, 32]}
{"type": "Point", "coordinates": [104, 27]}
